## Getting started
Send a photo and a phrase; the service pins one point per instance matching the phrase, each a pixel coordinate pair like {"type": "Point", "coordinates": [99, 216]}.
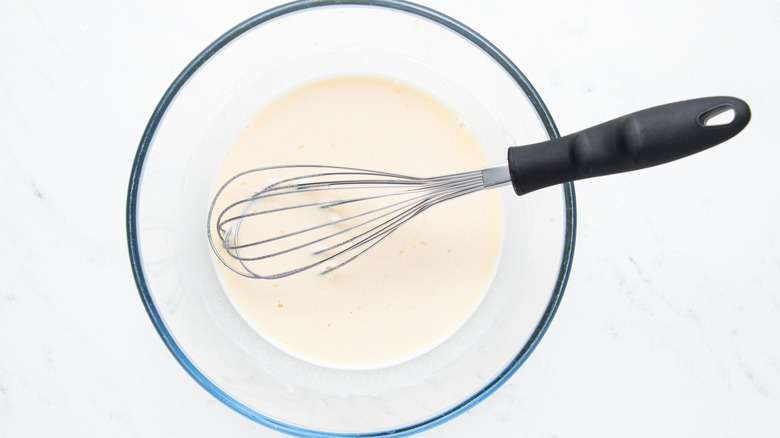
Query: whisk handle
{"type": "Point", "coordinates": [635, 141]}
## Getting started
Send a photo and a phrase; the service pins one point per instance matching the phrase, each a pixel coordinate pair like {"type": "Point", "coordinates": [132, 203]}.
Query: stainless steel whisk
{"type": "Point", "coordinates": [338, 213]}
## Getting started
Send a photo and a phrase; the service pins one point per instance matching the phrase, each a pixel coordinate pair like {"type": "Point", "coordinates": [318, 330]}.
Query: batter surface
{"type": "Point", "coordinates": [408, 294]}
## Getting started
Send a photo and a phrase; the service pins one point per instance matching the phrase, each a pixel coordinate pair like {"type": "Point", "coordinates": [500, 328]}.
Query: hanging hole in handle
{"type": "Point", "coordinates": [718, 116]}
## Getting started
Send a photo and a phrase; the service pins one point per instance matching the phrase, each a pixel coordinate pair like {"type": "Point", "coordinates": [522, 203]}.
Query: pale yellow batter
{"type": "Point", "coordinates": [418, 286]}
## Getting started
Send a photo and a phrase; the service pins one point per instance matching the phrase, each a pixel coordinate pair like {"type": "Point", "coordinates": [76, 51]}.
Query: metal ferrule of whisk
{"type": "Point", "coordinates": [496, 175]}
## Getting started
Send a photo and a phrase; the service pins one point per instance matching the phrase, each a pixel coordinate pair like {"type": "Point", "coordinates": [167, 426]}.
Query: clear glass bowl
{"type": "Point", "coordinates": [196, 121]}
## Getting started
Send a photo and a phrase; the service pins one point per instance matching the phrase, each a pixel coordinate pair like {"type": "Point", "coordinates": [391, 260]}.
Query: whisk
{"type": "Point", "coordinates": [333, 214]}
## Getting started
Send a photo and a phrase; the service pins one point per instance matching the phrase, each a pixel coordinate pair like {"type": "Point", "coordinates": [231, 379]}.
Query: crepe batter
{"type": "Point", "coordinates": [409, 293]}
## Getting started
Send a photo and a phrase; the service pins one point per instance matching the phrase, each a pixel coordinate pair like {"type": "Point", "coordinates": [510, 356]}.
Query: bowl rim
{"type": "Point", "coordinates": [136, 174]}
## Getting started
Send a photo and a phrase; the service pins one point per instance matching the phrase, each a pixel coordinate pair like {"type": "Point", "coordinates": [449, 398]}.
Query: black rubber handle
{"type": "Point", "coordinates": [635, 141]}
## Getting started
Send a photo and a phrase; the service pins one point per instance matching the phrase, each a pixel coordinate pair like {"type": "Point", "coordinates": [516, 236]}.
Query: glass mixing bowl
{"type": "Point", "coordinates": [196, 121]}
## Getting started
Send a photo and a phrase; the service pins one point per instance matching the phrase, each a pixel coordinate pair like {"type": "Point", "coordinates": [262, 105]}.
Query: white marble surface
{"type": "Point", "coordinates": [670, 325]}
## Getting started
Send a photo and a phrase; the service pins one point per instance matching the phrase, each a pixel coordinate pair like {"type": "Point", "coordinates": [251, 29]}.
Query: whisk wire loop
{"type": "Point", "coordinates": [333, 242]}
